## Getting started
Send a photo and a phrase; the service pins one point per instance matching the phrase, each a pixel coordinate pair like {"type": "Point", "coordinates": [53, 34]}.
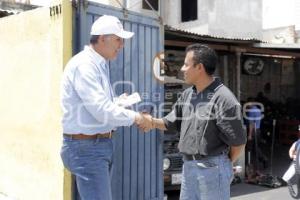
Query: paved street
{"type": "Point", "coordinates": [251, 192]}
{"type": "Point", "coordinates": [243, 191]}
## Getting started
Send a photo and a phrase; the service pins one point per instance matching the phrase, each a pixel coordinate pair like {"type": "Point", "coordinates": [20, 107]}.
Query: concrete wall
{"type": "Point", "coordinates": [297, 16]}
{"type": "Point", "coordinates": [281, 21]}
{"type": "Point", "coordinates": [132, 5]}
{"type": "Point", "coordinates": [110, 2]}
{"type": "Point", "coordinates": [226, 18]}
{"type": "Point", "coordinates": [279, 13]}
{"type": "Point", "coordinates": [280, 35]}
{"type": "Point", "coordinates": [137, 6]}
{"type": "Point", "coordinates": [33, 50]}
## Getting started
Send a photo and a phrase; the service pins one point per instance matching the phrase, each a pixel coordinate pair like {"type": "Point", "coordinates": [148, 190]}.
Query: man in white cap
{"type": "Point", "coordinates": [89, 113]}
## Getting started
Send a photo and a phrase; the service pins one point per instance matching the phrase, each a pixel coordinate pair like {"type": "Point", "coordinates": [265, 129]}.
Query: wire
{"type": "Point", "coordinates": [156, 13]}
{"type": "Point", "coordinates": [147, 2]}
{"type": "Point", "coordinates": [124, 8]}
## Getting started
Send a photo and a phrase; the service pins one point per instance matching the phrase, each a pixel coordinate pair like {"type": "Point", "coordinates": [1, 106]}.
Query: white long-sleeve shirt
{"type": "Point", "coordinates": [87, 96]}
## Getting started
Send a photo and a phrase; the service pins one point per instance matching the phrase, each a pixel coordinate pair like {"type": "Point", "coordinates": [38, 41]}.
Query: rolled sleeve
{"type": "Point", "coordinates": [88, 85]}
{"type": "Point", "coordinates": [232, 130]}
{"type": "Point", "coordinates": [173, 119]}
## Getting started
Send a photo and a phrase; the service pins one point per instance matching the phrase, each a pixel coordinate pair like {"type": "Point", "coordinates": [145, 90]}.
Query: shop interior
{"type": "Point", "coordinates": [272, 82]}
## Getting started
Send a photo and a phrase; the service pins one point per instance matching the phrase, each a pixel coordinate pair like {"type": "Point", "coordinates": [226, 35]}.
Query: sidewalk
{"type": "Point", "coordinates": [240, 191]}
{"type": "Point", "coordinates": [244, 191]}
{"type": "Point", "coordinates": [281, 163]}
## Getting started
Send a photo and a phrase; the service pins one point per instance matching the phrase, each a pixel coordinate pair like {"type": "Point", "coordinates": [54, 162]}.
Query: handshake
{"type": "Point", "coordinates": [144, 121]}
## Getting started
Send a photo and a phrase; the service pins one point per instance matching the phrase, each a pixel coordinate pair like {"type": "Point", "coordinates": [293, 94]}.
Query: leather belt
{"type": "Point", "coordinates": [85, 137]}
{"type": "Point", "coordinates": [193, 157]}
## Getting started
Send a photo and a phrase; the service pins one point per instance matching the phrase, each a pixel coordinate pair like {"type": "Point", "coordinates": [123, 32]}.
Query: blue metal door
{"type": "Point", "coordinates": [137, 171]}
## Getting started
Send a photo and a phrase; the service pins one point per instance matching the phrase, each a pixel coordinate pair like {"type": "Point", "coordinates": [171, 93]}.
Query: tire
{"type": "Point", "coordinates": [294, 185]}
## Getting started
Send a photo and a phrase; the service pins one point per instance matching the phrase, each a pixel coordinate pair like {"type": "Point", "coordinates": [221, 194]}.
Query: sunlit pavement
{"type": "Point", "coordinates": [244, 191]}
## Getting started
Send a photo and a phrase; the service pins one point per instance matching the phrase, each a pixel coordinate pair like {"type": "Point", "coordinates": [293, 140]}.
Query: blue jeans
{"type": "Point", "coordinates": [207, 179]}
{"type": "Point", "coordinates": [90, 160]}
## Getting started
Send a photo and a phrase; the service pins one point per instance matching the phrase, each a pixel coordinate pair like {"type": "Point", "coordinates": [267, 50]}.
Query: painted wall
{"type": "Point", "coordinates": [280, 35]}
{"type": "Point", "coordinates": [278, 13]}
{"type": "Point", "coordinates": [33, 50]}
{"type": "Point", "coordinates": [226, 18]}
{"type": "Point", "coordinates": [281, 21]}
{"type": "Point", "coordinates": [137, 6]}
{"type": "Point", "coordinates": [110, 2]}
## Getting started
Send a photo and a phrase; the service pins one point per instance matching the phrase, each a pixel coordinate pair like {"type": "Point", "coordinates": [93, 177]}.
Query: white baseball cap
{"type": "Point", "coordinates": [108, 24]}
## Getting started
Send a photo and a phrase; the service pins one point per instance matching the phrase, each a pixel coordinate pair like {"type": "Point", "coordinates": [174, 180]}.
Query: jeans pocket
{"type": "Point", "coordinates": [64, 154]}
{"type": "Point", "coordinates": [229, 170]}
{"type": "Point", "coordinates": [208, 179]}
{"type": "Point", "coordinates": [207, 165]}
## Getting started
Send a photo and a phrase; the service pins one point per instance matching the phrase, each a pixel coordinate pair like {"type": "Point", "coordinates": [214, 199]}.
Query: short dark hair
{"type": "Point", "coordinates": [205, 55]}
{"type": "Point", "coordinates": [94, 39]}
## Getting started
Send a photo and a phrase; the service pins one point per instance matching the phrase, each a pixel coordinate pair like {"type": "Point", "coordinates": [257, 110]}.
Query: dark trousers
{"type": "Point", "coordinates": [253, 152]}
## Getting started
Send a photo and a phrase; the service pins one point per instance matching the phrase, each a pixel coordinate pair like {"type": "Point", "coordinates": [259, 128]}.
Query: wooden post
{"type": "Point", "coordinates": [238, 75]}
{"type": "Point", "coordinates": [241, 160]}
{"type": "Point", "coordinates": [225, 64]}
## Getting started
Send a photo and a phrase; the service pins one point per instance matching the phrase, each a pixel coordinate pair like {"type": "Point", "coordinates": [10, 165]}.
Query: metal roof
{"type": "Point", "coordinates": [11, 8]}
{"type": "Point", "coordinates": [214, 38]}
{"type": "Point", "coordinates": [293, 46]}
{"type": "Point", "coordinates": [4, 12]}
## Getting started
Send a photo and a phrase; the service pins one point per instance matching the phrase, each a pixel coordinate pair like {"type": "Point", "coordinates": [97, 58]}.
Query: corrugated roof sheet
{"type": "Point", "coordinates": [9, 12]}
{"type": "Point", "coordinates": [11, 8]}
{"type": "Point", "coordinates": [172, 29]}
{"type": "Point", "coordinates": [278, 46]}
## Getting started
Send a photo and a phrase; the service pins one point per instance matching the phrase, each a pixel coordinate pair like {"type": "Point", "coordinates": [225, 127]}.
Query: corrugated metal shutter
{"type": "Point", "coordinates": [137, 173]}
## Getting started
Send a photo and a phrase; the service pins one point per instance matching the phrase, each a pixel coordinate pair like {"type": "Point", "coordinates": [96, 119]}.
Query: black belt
{"type": "Point", "coordinates": [193, 157]}
{"type": "Point", "coordinates": [200, 157]}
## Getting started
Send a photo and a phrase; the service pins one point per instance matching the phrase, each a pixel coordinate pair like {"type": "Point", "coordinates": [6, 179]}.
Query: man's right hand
{"type": "Point", "coordinates": [144, 121]}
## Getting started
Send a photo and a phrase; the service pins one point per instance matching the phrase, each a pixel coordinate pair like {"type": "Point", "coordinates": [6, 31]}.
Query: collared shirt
{"type": "Point", "coordinates": [209, 122]}
{"type": "Point", "coordinates": [87, 96]}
